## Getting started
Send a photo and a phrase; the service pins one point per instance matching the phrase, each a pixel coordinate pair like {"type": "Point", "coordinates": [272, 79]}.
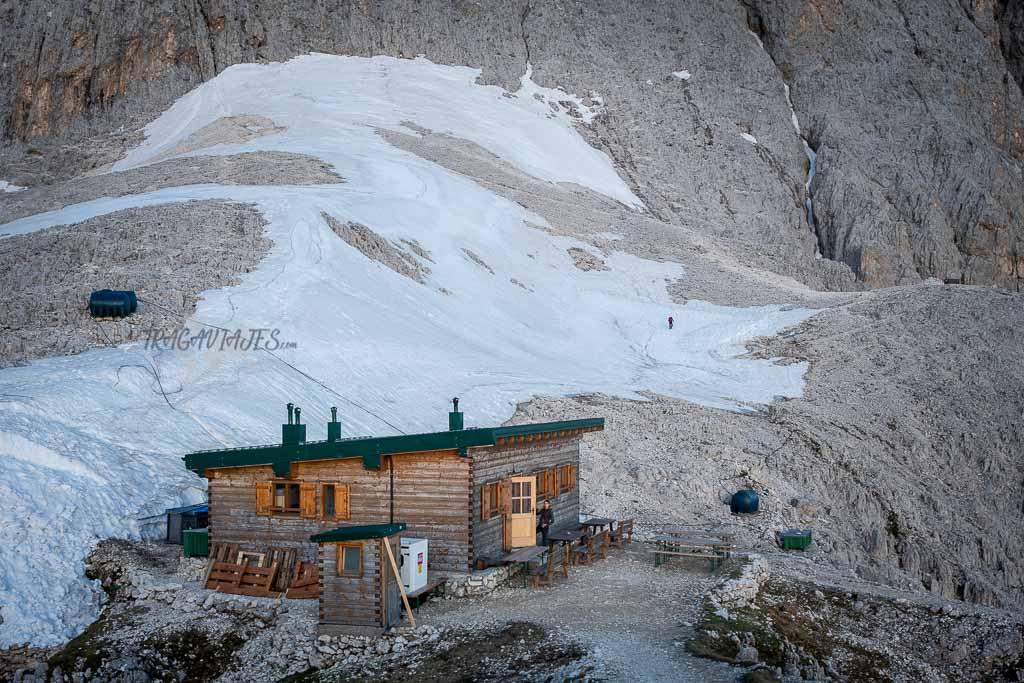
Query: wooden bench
{"type": "Point", "coordinates": [623, 532]}
{"type": "Point", "coordinates": [587, 549]}
{"type": "Point", "coordinates": [420, 595]}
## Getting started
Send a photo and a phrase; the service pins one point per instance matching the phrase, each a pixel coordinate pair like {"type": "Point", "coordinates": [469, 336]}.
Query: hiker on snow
{"type": "Point", "coordinates": [670, 322]}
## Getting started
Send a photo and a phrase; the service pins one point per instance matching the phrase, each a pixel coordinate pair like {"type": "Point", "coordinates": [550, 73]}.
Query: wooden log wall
{"type": "Point", "coordinates": [360, 602]}
{"type": "Point", "coordinates": [528, 457]}
{"type": "Point", "coordinates": [431, 495]}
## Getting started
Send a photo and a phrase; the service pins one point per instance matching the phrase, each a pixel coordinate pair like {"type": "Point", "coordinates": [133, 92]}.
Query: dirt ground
{"type": "Point", "coordinates": [632, 618]}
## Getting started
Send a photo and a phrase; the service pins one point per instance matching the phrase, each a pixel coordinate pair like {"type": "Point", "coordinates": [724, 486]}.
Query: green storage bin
{"type": "Point", "coordinates": [197, 542]}
{"type": "Point", "coordinates": [794, 539]}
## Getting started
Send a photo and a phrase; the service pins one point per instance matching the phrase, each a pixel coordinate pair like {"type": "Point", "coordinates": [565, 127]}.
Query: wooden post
{"type": "Point", "coordinates": [398, 578]}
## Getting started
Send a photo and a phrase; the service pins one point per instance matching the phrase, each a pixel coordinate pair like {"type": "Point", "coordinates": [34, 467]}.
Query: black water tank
{"type": "Point", "coordinates": [112, 303]}
{"type": "Point", "coordinates": [744, 502]}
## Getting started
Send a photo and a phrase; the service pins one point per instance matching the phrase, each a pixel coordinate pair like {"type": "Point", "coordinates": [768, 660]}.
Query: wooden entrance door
{"type": "Point", "coordinates": [522, 518]}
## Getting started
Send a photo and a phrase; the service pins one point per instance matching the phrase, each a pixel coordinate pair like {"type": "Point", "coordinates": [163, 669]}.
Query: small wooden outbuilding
{"type": "Point", "coordinates": [359, 589]}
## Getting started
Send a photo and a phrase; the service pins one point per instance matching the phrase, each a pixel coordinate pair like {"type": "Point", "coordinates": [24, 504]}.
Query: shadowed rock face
{"type": "Point", "coordinates": [1010, 14]}
{"type": "Point", "coordinates": [909, 104]}
{"type": "Point", "coordinates": [919, 133]}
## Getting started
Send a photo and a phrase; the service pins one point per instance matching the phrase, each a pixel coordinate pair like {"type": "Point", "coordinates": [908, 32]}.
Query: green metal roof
{"type": "Point", "coordinates": [358, 533]}
{"type": "Point", "coordinates": [370, 449]}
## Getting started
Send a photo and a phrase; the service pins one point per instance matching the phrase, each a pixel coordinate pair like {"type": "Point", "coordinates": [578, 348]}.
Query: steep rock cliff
{"type": "Point", "coordinates": [910, 105]}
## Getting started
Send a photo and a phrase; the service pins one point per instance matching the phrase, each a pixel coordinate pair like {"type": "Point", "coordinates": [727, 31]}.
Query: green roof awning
{"type": "Point", "coordinates": [358, 533]}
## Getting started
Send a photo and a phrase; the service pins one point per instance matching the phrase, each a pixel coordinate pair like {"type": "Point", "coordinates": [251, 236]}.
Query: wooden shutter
{"type": "Point", "coordinates": [505, 506]}
{"type": "Point", "coordinates": [341, 504]}
{"type": "Point", "coordinates": [574, 474]}
{"type": "Point", "coordinates": [307, 500]}
{"type": "Point", "coordinates": [485, 502]}
{"type": "Point", "coordinates": [551, 482]}
{"type": "Point", "coordinates": [505, 497]}
{"type": "Point", "coordinates": [264, 497]}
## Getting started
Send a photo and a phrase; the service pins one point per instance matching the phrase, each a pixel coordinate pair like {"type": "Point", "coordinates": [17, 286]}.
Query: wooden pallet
{"type": "Point", "coordinates": [306, 583]}
{"type": "Point", "coordinates": [284, 558]}
{"type": "Point", "coordinates": [242, 579]}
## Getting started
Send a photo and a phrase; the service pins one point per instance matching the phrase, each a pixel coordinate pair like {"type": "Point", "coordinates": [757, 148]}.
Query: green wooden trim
{"type": "Point", "coordinates": [358, 533]}
{"type": "Point", "coordinates": [542, 427]}
{"type": "Point", "coordinates": [370, 448]}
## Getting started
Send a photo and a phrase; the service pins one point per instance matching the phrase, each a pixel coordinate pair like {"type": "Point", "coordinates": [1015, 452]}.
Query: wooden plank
{"type": "Point", "coordinates": [401, 586]}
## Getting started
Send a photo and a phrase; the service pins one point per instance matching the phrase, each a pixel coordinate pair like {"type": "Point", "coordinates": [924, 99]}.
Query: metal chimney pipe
{"type": "Point", "coordinates": [334, 413]}
{"type": "Point", "coordinates": [291, 407]}
{"type": "Point", "coordinates": [298, 411]}
{"type": "Point", "coordinates": [455, 422]}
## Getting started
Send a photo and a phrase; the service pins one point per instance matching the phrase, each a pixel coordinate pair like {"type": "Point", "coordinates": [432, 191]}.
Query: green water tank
{"type": "Point", "coordinates": [197, 542]}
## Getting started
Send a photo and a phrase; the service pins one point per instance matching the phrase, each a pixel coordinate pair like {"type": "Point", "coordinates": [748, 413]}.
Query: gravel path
{"type": "Point", "coordinates": [634, 618]}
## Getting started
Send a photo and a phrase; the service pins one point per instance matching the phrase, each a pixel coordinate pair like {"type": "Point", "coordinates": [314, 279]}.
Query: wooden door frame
{"type": "Point", "coordinates": [506, 519]}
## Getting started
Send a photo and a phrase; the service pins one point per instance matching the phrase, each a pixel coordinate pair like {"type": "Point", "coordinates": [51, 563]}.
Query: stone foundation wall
{"type": "Point", "coordinates": [742, 590]}
{"type": "Point", "coordinates": [478, 583]}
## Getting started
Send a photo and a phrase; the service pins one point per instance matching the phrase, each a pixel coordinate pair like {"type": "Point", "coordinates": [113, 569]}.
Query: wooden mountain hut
{"type": "Point", "coordinates": [471, 492]}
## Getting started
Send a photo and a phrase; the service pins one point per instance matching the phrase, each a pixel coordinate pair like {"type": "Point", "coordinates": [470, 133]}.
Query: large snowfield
{"type": "Point", "coordinates": [92, 444]}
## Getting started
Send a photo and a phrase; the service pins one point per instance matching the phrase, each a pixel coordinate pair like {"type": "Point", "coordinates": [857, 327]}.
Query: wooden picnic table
{"type": "Point", "coordinates": [566, 538]}
{"type": "Point", "coordinates": [598, 523]}
{"type": "Point", "coordinates": [714, 549]}
{"type": "Point", "coordinates": [692, 533]}
{"type": "Point", "coordinates": [525, 556]}
{"type": "Point", "coordinates": [694, 540]}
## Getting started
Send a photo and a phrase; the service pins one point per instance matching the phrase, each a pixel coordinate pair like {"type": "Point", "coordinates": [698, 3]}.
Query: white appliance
{"type": "Point", "coordinates": [414, 563]}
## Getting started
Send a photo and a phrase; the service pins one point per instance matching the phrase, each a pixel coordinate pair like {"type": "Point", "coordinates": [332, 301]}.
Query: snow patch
{"type": "Point", "coordinates": [536, 134]}
{"type": "Point", "coordinates": [683, 75]}
{"type": "Point", "coordinates": [7, 187]}
{"type": "Point", "coordinates": [749, 138]}
{"type": "Point", "coordinates": [19, 448]}
{"type": "Point", "coordinates": [561, 104]}
{"type": "Point", "coordinates": [792, 110]}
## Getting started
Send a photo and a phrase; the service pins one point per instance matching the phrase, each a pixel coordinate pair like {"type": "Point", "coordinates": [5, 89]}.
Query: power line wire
{"type": "Point", "coordinates": [283, 361]}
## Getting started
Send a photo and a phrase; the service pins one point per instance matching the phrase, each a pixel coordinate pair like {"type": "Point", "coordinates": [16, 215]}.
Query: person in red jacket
{"type": "Point", "coordinates": [670, 322]}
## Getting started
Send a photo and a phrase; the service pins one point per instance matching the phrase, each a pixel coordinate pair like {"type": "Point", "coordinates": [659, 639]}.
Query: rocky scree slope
{"type": "Point", "coordinates": [910, 105]}
{"type": "Point", "coordinates": [903, 455]}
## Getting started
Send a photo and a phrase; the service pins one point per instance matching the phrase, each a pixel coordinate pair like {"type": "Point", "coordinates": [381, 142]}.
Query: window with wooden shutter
{"type": "Point", "coordinates": [489, 501]}
{"type": "Point", "coordinates": [573, 476]}
{"type": "Point", "coordinates": [307, 500]}
{"type": "Point", "coordinates": [279, 498]}
{"type": "Point", "coordinates": [341, 501]}
{"type": "Point", "coordinates": [551, 482]}
{"type": "Point", "coordinates": [565, 479]}
{"type": "Point", "coordinates": [264, 495]}
{"type": "Point", "coordinates": [334, 501]}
